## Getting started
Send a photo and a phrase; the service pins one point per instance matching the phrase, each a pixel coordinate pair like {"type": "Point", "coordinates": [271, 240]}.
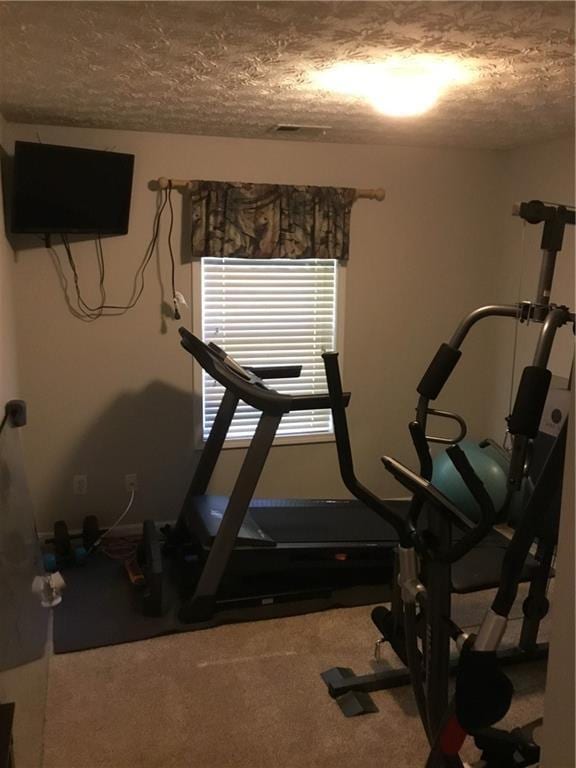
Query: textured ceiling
{"type": "Point", "coordinates": [238, 68]}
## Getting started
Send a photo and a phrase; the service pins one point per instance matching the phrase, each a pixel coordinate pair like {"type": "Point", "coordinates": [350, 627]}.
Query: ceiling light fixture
{"type": "Point", "coordinates": [398, 87]}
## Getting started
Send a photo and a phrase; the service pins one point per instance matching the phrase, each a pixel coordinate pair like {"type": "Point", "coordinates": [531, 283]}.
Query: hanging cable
{"type": "Point", "coordinates": [85, 311]}
{"type": "Point", "coordinates": [101, 268]}
{"type": "Point", "coordinates": [172, 262]}
{"type": "Point", "coordinates": [62, 279]}
{"type": "Point", "coordinates": [115, 524]}
{"type": "Point", "coordinates": [93, 313]}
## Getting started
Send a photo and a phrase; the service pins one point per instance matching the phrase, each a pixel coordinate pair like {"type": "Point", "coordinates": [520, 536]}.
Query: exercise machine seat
{"type": "Point", "coordinates": [480, 569]}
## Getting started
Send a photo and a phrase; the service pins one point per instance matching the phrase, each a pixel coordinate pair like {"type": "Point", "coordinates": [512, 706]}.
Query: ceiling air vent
{"type": "Point", "coordinates": [308, 131]}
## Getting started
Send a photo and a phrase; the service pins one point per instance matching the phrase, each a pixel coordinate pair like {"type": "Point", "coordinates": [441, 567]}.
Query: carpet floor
{"type": "Point", "coordinates": [243, 696]}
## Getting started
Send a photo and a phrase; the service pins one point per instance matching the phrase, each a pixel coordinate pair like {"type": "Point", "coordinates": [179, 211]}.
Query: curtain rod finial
{"type": "Point", "coordinates": [378, 194]}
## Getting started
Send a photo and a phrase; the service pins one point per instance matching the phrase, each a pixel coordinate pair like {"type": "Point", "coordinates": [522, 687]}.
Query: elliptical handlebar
{"type": "Point", "coordinates": [422, 489]}
{"type": "Point", "coordinates": [344, 451]}
{"type": "Point", "coordinates": [488, 512]}
{"type": "Point", "coordinates": [426, 492]}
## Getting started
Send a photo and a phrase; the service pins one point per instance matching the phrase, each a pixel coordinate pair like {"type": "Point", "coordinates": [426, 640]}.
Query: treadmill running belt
{"type": "Point", "coordinates": [328, 521]}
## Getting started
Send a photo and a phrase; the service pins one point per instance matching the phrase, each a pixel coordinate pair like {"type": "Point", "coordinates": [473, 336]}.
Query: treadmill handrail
{"type": "Point", "coordinates": [251, 390]}
{"type": "Point", "coordinates": [260, 371]}
{"type": "Point", "coordinates": [275, 371]}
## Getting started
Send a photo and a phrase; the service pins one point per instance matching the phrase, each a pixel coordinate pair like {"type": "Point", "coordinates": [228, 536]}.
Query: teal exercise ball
{"type": "Point", "coordinates": [488, 461]}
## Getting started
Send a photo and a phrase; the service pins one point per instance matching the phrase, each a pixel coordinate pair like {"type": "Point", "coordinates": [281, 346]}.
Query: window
{"type": "Point", "coordinates": [273, 312]}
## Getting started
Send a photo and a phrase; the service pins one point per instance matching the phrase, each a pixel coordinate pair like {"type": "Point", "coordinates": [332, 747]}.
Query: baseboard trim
{"type": "Point", "coordinates": [130, 529]}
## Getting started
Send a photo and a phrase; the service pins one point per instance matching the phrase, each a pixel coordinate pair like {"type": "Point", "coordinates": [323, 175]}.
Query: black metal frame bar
{"type": "Point", "coordinates": [202, 604]}
{"type": "Point", "coordinates": [339, 685]}
{"type": "Point", "coordinates": [213, 445]}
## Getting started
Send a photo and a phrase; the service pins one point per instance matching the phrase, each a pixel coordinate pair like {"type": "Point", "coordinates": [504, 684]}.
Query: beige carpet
{"type": "Point", "coordinates": [246, 696]}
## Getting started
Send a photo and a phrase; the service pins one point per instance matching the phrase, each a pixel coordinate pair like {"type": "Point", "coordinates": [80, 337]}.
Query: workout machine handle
{"type": "Point", "coordinates": [426, 468]}
{"type": "Point", "coordinates": [482, 498]}
{"type": "Point", "coordinates": [427, 492]}
{"type": "Point", "coordinates": [344, 451]}
{"type": "Point", "coordinates": [448, 354]}
{"type": "Point", "coordinates": [420, 441]}
{"type": "Point", "coordinates": [259, 371]}
{"type": "Point", "coordinates": [447, 415]}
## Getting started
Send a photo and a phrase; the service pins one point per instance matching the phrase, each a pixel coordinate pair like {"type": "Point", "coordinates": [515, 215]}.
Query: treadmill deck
{"type": "Point", "coordinates": [298, 522]}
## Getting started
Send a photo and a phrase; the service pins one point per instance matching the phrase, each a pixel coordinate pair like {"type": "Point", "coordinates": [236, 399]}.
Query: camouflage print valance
{"type": "Point", "coordinates": [269, 221]}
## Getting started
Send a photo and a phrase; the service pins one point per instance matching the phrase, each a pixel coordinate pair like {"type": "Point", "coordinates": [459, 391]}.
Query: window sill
{"type": "Point", "coordinates": [285, 440]}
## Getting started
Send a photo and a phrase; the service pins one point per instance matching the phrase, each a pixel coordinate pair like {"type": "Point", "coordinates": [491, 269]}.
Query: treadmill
{"type": "Point", "coordinates": [237, 555]}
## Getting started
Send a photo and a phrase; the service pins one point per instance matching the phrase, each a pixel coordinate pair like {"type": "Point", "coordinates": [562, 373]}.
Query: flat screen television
{"type": "Point", "coordinates": [70, 190]}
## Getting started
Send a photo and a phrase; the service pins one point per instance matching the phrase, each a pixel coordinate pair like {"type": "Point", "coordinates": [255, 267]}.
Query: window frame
{"type": "Point", "coordinates": [197, 390]}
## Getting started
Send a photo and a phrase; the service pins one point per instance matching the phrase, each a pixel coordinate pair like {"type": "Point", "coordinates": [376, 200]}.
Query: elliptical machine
{"type": "Point", "coordinates": [437, 534]}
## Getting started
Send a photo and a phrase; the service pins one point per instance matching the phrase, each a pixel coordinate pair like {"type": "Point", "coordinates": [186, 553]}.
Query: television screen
{"type": "Point", "coordinates": [70, 190]}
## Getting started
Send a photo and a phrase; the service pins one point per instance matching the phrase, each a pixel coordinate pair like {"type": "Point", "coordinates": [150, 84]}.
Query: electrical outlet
{"type": "Point", "coordinates": [80, 485]}
{"type": "Point", "coordinates": [131, 482]}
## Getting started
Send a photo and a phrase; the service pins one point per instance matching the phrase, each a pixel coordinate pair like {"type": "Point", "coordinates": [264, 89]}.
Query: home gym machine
{"type": "Point", "coordinates": [478, 570]}
{"type": "Point", "coordinates": [238, 558]}
{"type": "Point", "coordinates": [437, 535]}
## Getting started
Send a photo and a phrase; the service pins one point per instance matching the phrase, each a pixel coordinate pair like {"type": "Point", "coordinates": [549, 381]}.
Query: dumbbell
{"type": "Point", "coordinates": [65, 553]}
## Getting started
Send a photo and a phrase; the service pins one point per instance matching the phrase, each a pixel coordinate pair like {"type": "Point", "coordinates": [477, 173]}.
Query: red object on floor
{"type": "Point", "coordinates": [453, 737]}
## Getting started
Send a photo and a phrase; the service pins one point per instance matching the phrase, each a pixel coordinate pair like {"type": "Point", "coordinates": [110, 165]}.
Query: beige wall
{"type": "Point", "coordinates": [114, 396]}
{"type": "Point", "coordinates": [23, 661]}
{"type": "Point", "coordinates": [8, 378]}
{"type": "Point", "coordinates": [541, 172]}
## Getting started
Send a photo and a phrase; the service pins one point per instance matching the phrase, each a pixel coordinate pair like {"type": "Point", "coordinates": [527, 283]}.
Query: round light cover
{"type": "Point", "coordinates": [398, 87]}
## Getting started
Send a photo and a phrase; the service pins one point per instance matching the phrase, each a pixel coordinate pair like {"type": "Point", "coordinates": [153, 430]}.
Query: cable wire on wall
{"type": "Point", "coordinates": [79, 307]}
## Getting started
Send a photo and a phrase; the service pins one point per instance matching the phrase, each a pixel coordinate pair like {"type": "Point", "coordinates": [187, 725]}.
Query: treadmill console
{"type": "Point", "coordinates": [231, 363]}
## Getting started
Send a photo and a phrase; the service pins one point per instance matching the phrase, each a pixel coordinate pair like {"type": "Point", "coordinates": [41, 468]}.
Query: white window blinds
{"type": "Point", "coordinates": [270, 312]}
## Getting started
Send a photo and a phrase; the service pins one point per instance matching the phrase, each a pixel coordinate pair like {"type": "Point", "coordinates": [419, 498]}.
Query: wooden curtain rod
{"type": "Point", "coordinates": [364, 194]}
